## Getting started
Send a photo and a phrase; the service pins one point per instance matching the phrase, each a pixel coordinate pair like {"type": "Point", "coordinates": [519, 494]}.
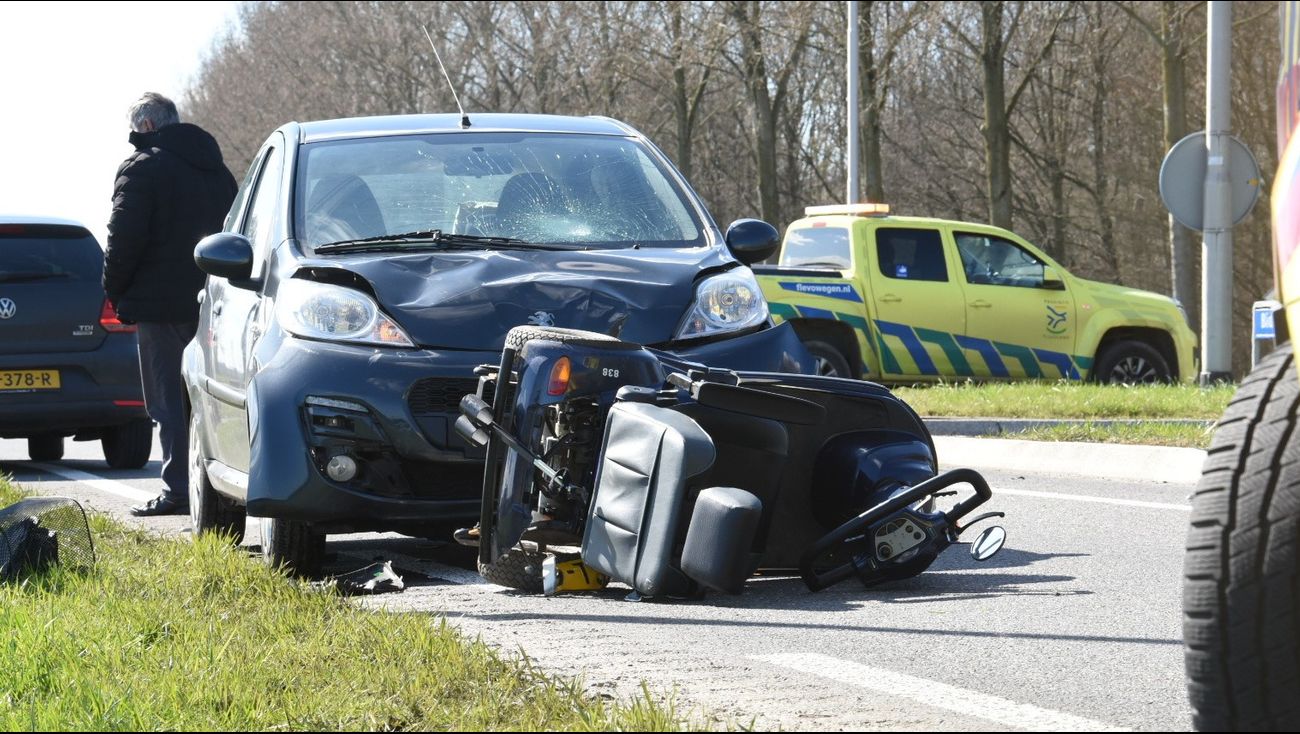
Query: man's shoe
{"type": "Point", "coordinates": [160, 505]}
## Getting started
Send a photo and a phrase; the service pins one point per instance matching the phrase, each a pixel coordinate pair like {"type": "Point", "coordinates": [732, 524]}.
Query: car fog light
{"type": "Point", "coordinates": [341, 468]}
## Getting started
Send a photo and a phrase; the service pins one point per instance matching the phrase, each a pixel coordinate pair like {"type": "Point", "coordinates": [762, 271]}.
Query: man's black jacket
{"type": "Point", "coordinates": [173, 191]}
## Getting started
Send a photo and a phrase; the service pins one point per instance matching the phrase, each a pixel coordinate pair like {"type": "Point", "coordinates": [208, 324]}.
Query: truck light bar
{"type": "Point", "coordinates": [857, 210]}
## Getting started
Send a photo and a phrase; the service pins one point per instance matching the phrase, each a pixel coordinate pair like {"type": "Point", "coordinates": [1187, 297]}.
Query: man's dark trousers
{"type": "Point", "coordinates": [161, 346]}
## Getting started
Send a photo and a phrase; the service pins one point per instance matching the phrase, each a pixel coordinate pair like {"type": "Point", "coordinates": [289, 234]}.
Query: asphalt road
{"type": "Point", "coordinates": [1075, 625]}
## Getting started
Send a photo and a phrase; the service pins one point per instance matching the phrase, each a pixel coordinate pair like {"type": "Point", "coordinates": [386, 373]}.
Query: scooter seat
{"type": "Point", "coordinates": [644, 476]}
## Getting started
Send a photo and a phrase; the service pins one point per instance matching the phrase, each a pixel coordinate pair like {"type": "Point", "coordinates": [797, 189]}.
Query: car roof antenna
{"type": "Point", "coordinates": [464, 118]}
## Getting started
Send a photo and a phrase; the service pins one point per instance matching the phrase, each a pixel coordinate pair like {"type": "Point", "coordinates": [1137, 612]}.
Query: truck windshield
{"type": "Point", "coordinates": [817, 247]}
{"type": "Point", "coordinates": [591, 191]}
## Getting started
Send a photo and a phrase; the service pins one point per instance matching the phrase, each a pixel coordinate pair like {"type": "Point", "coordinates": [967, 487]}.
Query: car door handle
{"type": "Point", "coordinates": [216, 308]}
{"type": "Point", "coordinates": [981, 303]}
{"type": "Point", "coordinates": [890, 298]}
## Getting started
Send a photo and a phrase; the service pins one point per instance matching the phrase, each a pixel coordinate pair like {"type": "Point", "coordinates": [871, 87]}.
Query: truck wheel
{"type": "Point", "coordinates": [293, 546]}
{"type": "Point", "coordinates": [1132, 363]}
{"type": "Point", "coordinates": [46, 447]}
{"type": "Point", "coordinates": [516, 570]}
{"type": "Point", "coordinates": [1241, 599]}
{"type": "Point", "coordinates": [209, 511]}
{"type": "Point", "coordinates": [127, 446]}
{"type": "Point", "coordinates": [828, 360]}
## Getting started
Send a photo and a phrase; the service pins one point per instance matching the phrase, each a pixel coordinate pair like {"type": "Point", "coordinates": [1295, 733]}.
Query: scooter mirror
{"type": "Point", "coordinates": [988, 543]}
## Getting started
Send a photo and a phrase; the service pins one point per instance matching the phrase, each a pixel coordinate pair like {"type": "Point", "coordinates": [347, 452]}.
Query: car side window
{"type": "Point", "coordinates": [259, 225]}
{"type": "Point", "coordinates": [989, 260]}
{"type": "Point", "coordinates": [237, 206]}
{"type": "Point", "coordinates": [911, 254]}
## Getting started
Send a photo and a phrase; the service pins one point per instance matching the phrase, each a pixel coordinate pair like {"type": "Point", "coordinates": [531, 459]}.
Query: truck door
{"type": "Point", "coordinates": [1020, 317]}
{"type": "Point", "coordinates": [918, 300]}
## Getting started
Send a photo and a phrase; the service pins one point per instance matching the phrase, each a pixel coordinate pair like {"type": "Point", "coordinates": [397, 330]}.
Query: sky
{"type": "Point", "coordinates": [68, 73]}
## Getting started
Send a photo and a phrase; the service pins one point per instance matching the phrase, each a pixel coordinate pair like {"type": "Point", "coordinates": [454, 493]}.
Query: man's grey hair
{"type": "Point", "coordinates": [155, 108]}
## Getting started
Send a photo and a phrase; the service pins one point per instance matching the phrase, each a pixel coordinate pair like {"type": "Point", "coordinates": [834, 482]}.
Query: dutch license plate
{"type": "Point", "coordinates": [22, 380]}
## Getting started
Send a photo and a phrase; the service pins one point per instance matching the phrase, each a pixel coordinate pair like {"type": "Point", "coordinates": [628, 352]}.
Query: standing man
{"type": "Point", "coordinates": [173, 191]}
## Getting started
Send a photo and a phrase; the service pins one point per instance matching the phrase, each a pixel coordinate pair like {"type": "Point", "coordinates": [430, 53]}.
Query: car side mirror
{"type": "Point", "coordinates": [1052, 279]}
{"type": "Point", "coordinates": [752, 240]}
{"type": "Point", "coordinates": [227, 255]}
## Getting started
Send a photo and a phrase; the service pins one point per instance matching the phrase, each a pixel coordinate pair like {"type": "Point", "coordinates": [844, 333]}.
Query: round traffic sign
{"type": "Point", "coordinates": [1182, 180]}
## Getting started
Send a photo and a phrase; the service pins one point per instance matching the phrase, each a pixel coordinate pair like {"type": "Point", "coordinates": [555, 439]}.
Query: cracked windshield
{"type": "Point", "coordinates": [588, 190]}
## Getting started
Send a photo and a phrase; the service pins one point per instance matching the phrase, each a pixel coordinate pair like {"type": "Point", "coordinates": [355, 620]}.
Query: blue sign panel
{"type": "Point", "coordinates": [1263, 323]}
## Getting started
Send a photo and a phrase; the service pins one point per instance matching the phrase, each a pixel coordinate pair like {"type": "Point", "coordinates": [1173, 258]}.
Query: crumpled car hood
{"type": "Point", "coordinates": [469, 299]}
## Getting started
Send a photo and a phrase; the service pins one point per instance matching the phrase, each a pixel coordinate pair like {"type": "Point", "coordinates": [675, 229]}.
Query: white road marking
{"type": "Point", "coordinates": [104, 485]}
{"type": "Point", "coordinates": [935, 694]}
{"type": "Point", "coordinates": [1091, 498]}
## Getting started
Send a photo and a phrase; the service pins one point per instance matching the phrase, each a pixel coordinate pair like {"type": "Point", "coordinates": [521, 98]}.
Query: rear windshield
{"type": "Point", "coordinates": [48, 252]}
{"type": "Point", "coordinates": [816, 247]}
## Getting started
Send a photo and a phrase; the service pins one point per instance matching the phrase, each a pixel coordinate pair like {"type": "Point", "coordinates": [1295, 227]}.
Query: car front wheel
{"type": "Point", "coordinates": [828, 360]}
{"type": "Point", "coordinates": [1132, 363]}
{"type": "Point", "coordinates": [210, 512]}
{"type": "Point", "coordinates": [294, 546]}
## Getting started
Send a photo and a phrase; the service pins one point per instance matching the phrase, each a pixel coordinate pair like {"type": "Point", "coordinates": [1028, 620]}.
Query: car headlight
{"type": "Point", "coordinates": [729, 301]}
{"type": "Point", "coordinates": [323, 311]}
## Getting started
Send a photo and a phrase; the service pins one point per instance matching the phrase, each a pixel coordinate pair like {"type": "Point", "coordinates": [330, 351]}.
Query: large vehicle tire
{"type": "Point", "coordinates": [46, 447]}
{"type": "Point", "coordinates": [294, 546]}
{"type": "Point", "coordinates": [828, 360]}
{"type": "Point", "coordinates": [1241, 584]}
{"type": "Point", "coordinates": [517, 569]}
{"type": "Point", "coordinates": [128, 446]}
{"type": "Point", "coordinates": [210, 512]}
{"type": "Point", "coordinates": [1131, 362]}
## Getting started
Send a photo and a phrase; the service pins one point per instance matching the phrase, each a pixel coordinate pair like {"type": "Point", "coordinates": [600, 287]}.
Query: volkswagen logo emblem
{"type": "Point", "coordinates": [7, 308]}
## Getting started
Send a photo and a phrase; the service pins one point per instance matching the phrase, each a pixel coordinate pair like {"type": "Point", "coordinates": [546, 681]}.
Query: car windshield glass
{"type": "Point", "coordinates": [564, 189]}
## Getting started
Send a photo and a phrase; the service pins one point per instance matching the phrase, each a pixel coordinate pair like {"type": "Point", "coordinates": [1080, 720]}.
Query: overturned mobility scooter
{"type": "Point", "coordinates": [607, 460]}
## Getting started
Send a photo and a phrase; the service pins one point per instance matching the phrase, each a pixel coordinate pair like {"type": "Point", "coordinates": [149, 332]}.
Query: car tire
{"type": "Point", "coordinates": [128, 446]}
{"type": "Point", "coordinates": [46, 447]}
{"type": "Point", "coordinates": [1241, 610]}
{"type": "Point", "coordinates": [828, 360]}
{"type": "Point", "coordinates": [1132, 363]}
{"type": "Point", "coordinates": [210, 512]}
{"type": "Point", "coordinates": [293, 546]}
{"type": "Point", "coordinates": [517, 337]}
{"type": "Point", "coordinates": [517, 569]}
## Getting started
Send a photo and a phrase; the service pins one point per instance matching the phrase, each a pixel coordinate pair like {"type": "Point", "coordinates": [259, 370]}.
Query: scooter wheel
{"type": "Point", "coordinates": [520, 335]}
{"type": "Point", "coordinates": [515, 570]}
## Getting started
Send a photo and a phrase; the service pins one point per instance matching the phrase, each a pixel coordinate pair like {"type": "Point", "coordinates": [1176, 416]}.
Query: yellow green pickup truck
{"type": "Point", "coordinates": [916, 299]}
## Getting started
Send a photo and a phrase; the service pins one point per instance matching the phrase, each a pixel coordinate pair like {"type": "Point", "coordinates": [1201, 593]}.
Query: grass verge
{"type": "Point", "coordinates": [1150, 434]}
{"type": "Point", "coordinates": [197, 636]}
{"type": "Point", "coordinates": [1067, 400]}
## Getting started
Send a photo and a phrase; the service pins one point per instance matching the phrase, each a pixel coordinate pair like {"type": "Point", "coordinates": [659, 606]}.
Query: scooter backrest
{"type": "Point", "coordinates": [648, 462]}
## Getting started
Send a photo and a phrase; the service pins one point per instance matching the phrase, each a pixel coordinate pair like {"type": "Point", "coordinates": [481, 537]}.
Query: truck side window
{"type": "Point", "coordinates": [995, 261]}
{"type": "Point", "coordinates": [816, 247]}
{"type": "Point", "coordinates": [911, 254]}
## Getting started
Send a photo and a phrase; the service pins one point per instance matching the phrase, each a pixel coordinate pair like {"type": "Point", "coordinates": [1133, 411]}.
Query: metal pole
{"type": "Point", "coordinates": [1216, 243]}
{"type": "Point", "coordinates": [852, 191]}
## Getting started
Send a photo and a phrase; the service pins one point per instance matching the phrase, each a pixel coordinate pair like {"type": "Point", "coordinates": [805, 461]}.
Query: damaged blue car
{"type": "Point", "coordinates": [369, 265]}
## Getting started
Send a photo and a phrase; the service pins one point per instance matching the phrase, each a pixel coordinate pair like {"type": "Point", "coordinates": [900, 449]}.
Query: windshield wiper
{"type": "Point", "coordinates": [432, 237]}
{"type": "Point", "coordinates": [29, 275]}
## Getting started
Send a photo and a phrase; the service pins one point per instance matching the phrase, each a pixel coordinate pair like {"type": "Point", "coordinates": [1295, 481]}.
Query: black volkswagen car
{"type": "Point", "coordinates": [369, 265]}
{"type": "Point", "coordinates": [68, 366]}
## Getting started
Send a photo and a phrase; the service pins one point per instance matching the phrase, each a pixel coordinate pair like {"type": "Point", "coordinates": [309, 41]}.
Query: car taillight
{"type": "Point", "coordinates": [109, 321]}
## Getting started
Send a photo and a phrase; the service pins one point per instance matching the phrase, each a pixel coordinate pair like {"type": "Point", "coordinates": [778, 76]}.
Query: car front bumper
{"type": "Point", "coordinates": [391, 412]}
